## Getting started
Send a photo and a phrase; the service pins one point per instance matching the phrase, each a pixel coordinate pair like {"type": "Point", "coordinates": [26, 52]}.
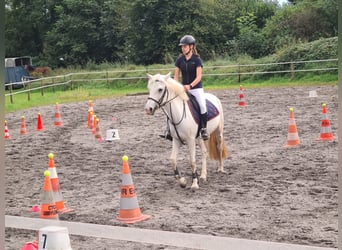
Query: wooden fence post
{"type": "Point", "coordinates": [239, 75]}
{"type": "Point", "coordinates": [292, 71]}
{"type": "Point", "coordinates": [29, 92]}
{"type": "Point", "coordinates": [11, 91]}
{"type": "Point", "coordinates": [41, 89]}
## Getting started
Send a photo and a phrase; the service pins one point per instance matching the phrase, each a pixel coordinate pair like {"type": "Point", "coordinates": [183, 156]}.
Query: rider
{"type": "Point", "coordinates": [190, 65]}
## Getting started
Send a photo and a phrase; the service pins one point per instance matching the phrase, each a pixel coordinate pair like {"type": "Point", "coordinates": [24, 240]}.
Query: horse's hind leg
{"type": "Point", "coordinates": [220, 146]}
{"type": "Point", "coordinates": [175, 148]}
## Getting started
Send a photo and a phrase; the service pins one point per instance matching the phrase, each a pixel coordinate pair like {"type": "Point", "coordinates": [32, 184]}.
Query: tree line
{"type": "Point", "coordinates": [61, 33]}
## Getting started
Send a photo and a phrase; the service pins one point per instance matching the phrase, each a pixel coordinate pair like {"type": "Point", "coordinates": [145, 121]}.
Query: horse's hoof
{"type": "Point", "coordinates": [203, 179]}
{"type": "Point", "coordinates": [221, 171]}
{"type": "Point", "coordinates": [182, 182]}
{"type": "Point", "coordinates": [194, 187]}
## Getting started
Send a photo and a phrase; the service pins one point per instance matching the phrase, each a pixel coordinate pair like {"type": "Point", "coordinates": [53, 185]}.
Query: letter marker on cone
{"type": "Point", "coordinates": [326, 134]}
{"type": "Point", "coordinates": [57, 194]}
{"type": "Point", "coordinates": [48, 205]}
{"type": "Point", "coordinates": [129, 207]}
{"type": "Point", "coordinates": [292, 136]}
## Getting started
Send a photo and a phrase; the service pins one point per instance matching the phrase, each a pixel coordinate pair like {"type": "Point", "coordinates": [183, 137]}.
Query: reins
{"type": "Point", "coordinates": [161, 104]}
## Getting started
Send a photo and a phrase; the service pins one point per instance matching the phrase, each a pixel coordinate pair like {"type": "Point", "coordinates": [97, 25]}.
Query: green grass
{"type": "Point", "coordinates": [97, 90]}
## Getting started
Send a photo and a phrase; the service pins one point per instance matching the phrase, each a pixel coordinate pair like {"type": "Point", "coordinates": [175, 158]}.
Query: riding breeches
{"type": "Point", "coordinates": [199, 95]}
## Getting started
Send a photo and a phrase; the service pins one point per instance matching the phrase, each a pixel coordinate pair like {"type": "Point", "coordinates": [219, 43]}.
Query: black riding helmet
{"type": "Point", "coordinates": [187, 39]}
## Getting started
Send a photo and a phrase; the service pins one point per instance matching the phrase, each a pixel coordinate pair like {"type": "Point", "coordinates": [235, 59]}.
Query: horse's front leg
{"type": "Point", "coordinates": [192, 149]}
{"type": "Point", "coordinates": [175, 149]}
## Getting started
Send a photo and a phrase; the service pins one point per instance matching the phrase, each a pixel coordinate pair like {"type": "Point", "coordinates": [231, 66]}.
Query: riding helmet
{"type": "Point", "coordinates": [187, 39]}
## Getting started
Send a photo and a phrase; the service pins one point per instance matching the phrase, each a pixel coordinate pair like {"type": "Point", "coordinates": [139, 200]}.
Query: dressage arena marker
{"type": "Point", "coordinates": [312, 93]}
{"type": "Point", "coordinates": [148, 236]}
{"type": "Point", "coordinates": [112, 134]}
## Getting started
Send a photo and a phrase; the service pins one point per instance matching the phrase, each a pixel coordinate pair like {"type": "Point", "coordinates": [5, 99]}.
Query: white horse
{"type": "Point", "coordinates": [170, 96]}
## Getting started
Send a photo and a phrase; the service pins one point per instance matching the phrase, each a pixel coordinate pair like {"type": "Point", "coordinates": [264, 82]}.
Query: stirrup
{"type": "Point", "coordinates": [166, 136]}
{"type": "Point", "coordinates": [204, 134]}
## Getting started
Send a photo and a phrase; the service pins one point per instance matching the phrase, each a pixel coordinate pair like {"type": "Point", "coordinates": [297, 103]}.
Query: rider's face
{"type": "Point", "coordinates": [185, 49]}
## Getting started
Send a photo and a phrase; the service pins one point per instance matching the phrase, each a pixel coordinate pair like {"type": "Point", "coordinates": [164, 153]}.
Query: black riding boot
{"type": "Point", "coordinates": [204, 133]}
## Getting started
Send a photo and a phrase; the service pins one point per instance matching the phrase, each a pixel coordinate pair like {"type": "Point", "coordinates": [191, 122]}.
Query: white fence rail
{"type": "Point", "coordinates": [219, 70]}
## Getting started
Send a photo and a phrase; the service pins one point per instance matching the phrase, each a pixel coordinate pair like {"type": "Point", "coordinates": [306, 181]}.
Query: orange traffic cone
{"type": "Point", "coordinates": [23, 126]}
{"type": "Point", "coordinates": [94, 125]}
{"type": "Point", "coordinates": [39, 122]}
{"type": "Point", "coordinates": [58, 118]}
{"type": "Point", "coordinates": [57, 194]}
{"type": "Point", "coordinates": [326, 134]}
{"type": "Point", "coordinates": [242, 102]}
{"type": "Point", "coordinates": [90, 105]}
{"type": "Point", "coordinates": [98, 134]}
{"type": "Point", "coordinates": [48, 206]}
{"type": "Point", "coordinates": [7, 135]}
{"type": "Point", "coordinates": [292, 136]}
{"type": "Point", "coordinates": [33, 245]}
{"type": "Point", "coordinates": [129, 207]}
{"type": "Point", "coordinates": [89, 118]}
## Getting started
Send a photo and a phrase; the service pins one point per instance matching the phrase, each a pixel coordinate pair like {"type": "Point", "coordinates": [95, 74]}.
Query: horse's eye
{"type": "Point", "coordinates": [160, 90]}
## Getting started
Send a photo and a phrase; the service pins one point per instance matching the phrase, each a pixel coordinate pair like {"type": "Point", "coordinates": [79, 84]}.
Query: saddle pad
{"type": "Point", "coordinates": [195, 110]}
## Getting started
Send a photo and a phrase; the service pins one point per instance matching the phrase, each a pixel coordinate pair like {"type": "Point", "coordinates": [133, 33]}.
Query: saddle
{"type": "Point", "coordinates": [195, 110]}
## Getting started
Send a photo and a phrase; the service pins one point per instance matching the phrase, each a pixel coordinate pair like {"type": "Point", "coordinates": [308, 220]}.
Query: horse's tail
{"type": "Point", "coordinates": [214, 150]}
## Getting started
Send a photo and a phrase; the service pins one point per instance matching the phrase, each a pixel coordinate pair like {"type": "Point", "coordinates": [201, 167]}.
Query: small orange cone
{"type": "Point", "coordinates": [33, 245]}
{"type": "Point", "coordinates": [242, 102]}
{"type": "Point", "coordinates": [292, 136]}
{"type": "Point", "coordinates": [58, 118]}
{"type": "Point", "coordinates": [326, 134]}
{"type": "Point", "coordinates": [48, 206]}
{"type": "Point", "coordinates": [129, 207]}
{"type": "Point", "coordinates": [39, 122]}
{"type": "Point", "coordinates": [7, 135]}
{"type": "Point", "coordinates": [23, 126]}
{"type": "Point", "coordinates": [98, 134]}
{"type": "Point", "coordinates": [57, 194]}
{"type": "Point", "coordinates": [91, 107]}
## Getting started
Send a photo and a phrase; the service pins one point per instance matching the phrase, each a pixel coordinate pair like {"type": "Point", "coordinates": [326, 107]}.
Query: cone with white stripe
{"type": "Point", "coordinates": [292, 136]}
{"type": "Point", "coordinates": [23, 130]}
{"type": "Point", "coordinates": [98, 134]}
{"type": "Point", "coordinates": [58, 118]}
{"type": "Point", "coordinates": [129, 206]}
{"type": "Point", "coordinates": [57, 194]}
{"type": "Point", "coordinates": [326, 133]}
{"type": "Point", "coordinates": [48, 206]}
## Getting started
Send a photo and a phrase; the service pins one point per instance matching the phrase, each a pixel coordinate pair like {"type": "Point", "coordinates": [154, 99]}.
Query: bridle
{"type": "Point", "coordinates": [161, 103]}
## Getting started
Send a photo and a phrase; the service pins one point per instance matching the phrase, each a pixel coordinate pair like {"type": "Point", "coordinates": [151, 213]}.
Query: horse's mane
{"type": "Point", "coordinates": [176, 87]}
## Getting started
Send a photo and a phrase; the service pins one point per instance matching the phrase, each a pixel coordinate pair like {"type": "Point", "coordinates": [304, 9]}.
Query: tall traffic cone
{"type": "Point", "coordinates": [39, 122]}
{"type": "Point", "coordinates": [23, 126]}
{"type": "Point", "coordinates": [242, 102]}
{"type": "Point", "coordinates": [58, 118]}
{"type": "Point", "coordinates": [89, 118]}
{"type": "Point", "coordinates": [129, 206]}
{"type": "Point", "coordinates": [98, 135]}
{"type": "Point", "coordinates": [326, 134]}
{"type": "Point", "coordinates": [48, 206]}
{"type": "Point", "coordinates": [292, 136]}
{"type": "Point", "coordinates": [57, 194]}
{"type": "Point", "coordinates": [7, 134]}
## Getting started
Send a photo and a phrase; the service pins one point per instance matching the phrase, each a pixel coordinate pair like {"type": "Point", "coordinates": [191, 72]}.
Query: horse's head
{"type": "Point", "coordinates": [162, 90]}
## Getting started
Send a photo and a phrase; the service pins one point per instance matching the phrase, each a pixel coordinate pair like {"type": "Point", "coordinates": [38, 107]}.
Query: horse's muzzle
{"type": "Point", "coordinates": [150, 111]}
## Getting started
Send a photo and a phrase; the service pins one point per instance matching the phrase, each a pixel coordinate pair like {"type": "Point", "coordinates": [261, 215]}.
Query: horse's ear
{"type": "Point", "coordinates": [149, 76]}
{"type": "Point", "coordinates": [167, 76]}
